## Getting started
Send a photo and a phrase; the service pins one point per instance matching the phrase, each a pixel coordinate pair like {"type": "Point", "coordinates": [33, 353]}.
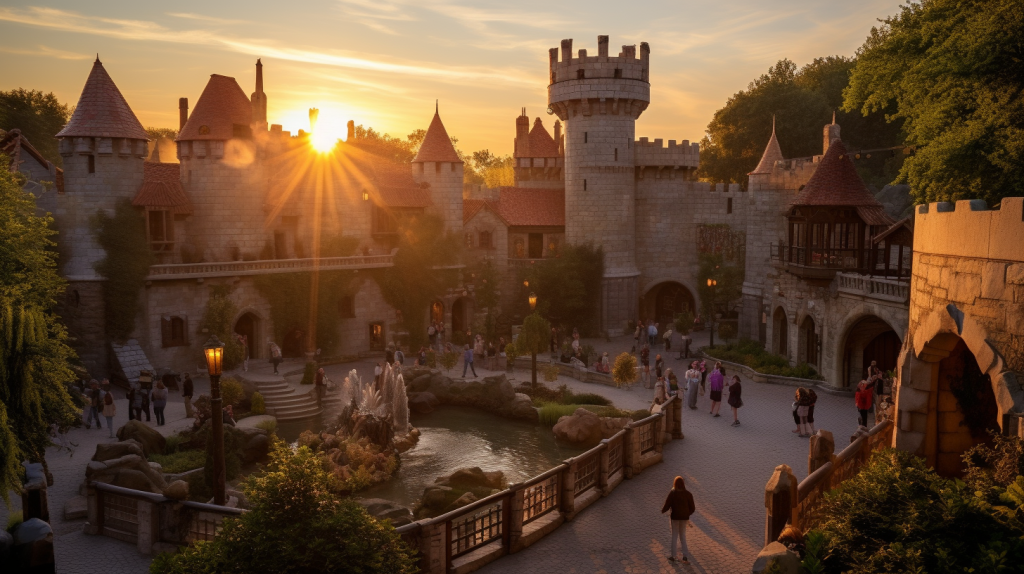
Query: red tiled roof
{"type": "Point", "coordinates": [102, 111]}
{"type": "Point", "coordinates": [437, 146]}
{"type": "Point", "coordinates": [835, 182]}
{"type": "Point", "coordinates": [520, 206]}
{"type": "Point", "coordinates": [874, 215]}
{"type": "Point", "coordinates": [772, 153]}
{"type": "Point", "coordinates": [541, 142]}
{"type": "Point", "coordinates": [161, 188]}
{"type": "Point", "coordinates": [222, 106]}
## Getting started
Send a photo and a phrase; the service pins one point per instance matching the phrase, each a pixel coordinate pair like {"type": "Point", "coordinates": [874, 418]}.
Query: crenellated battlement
{"type": "Point", "coordinates": [970, 229]}
{"type": "Point", "coordinates": [69, 146]}
{"type": "Point", "coordinates": [655, 153]}
{"type": "Point", "coordinates": [624, 66]}
{"type": "Point", "coordinates": [602, 84]}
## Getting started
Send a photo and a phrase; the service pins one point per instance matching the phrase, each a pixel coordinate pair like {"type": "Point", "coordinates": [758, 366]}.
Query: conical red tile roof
{"type": "Point", "coordinates": [222, 106]}
{"type": "Point", "coordinates": [102, 111]}
{"type": "Point", "coordinates": [437, 146]}
{"type": "Point", "coordinates": [541, 142]}
{"type": "Point", "coordinates": [836, 182]}
{"type": "Point", "coordinates": [772, 153]}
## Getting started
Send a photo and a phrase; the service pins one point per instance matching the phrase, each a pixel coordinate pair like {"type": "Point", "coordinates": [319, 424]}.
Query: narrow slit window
{"type": "Point", "coordinates": [586, 136]}
{"type": "Point", "coordinates": [728, 205]}
{"type": "Point", "coordinates": [92, 163]}
{"type": "Point", "coordinates": [616, 154]}
{"type": "Point", "coordinates": [584, 185]}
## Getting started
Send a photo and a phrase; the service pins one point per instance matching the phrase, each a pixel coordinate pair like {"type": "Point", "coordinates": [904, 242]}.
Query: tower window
{"type": "Point", "coordinates": [92, 163]}
{"type": "Point", "coordinates": [616, 154]}
{"type": "Point", "coordinates": [618, 72]}
{"type": "Point", "coordinates": [173, 331]}
{"type": "Point", "coordinates": [728, 205]}
{"type": "Point", "coordinates": [580, 74]}
{"type": "Point", "coordinates": [584, 185]}
{"type": "Point", "coordinates": [586, 136]}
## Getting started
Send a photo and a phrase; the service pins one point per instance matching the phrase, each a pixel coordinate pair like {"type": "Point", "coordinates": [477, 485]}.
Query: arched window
{"type": "Point", "coordinates": [174, 331]}
{"type": "Point", "coordinates": [486, 240]}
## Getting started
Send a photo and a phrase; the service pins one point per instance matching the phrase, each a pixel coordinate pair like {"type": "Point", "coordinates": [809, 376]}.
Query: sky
{"type": "Point", "coordinates": [384, 63]}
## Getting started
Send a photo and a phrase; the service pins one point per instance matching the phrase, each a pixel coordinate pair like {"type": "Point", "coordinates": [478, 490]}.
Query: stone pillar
{"type": "Point", "coordinates": [568, 497]}
{"type": "Point", "coordinates": [780, 497]}
{"type": "Point", "coordinates": [823, 448]}
{"type": "Point", "coordinates": [602, 468]}
{"type": "Point", "coordinates": [92, 526]}
{"type": "Point", "coordinates": [677, 419]}
{"type": "Point", "coordinates": [432, 547]}
{"type": "Point", "coordinates": [659, 432]}
{"type": "Point", "coordinates": [515, 519]}
{"type": "Point", "coordinates": [149, 533]}
{"type": "Point", "coordinates": [630, 451]}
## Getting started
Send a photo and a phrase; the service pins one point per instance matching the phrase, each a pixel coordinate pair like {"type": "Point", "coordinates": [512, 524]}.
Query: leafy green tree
{"type": "Point", "coordinates": [726, 286]}
{"type": "Point", "coordinates": [568, 287]}
{"type": "Point", "coordinates": [683, 322]}
{"type": "Point", "coordinates": [954, 71]}
{"type": "Point", "coordinates": [386, 145]}
{"type": "Point", "coordinates": [448, 360]}
{"type": "Point", "coordinates": [298, 523]}
{"type": "Point", "coordinates": [486, 280]}
{"type": "Point", "coordinates": [125, 266]}
{"type": "Point", "coordinates": [39, 116]}
{"type": "Point", "coordinates": [217, 320]}
{"type": "Point", "coordinates": [533, 339]}
{"type": "Point", "coordinates": [624, 370]}
{"type": "Point", "coordinates": [34, 355]}
{"type": "Point", "coordinates": [423, 269]}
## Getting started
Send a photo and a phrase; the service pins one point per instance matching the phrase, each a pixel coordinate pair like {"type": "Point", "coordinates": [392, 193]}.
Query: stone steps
{"type": "Point", "coordinates": [284, 402]}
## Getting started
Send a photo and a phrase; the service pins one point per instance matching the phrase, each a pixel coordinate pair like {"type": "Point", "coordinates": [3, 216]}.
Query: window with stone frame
{"type": "Point", "coordinates": [174, 331]}
{"type": "Point", "coordinates": [160, 229]}
{"type": "Point", "coordinates": [486, 240]}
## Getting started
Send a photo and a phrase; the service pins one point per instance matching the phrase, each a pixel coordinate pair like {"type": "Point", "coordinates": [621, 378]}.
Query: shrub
{"type": "Point", "coordinates": [259, 406]}
{"type": "Point", "coordinates": [269, 426]}
{"type": "Point", "coordinates": [897, 515]}
{"type": "Point", "coordinates": [511, 353]}
{"type": "Point", "coordinates": [998, 464]}
{"type": "Point", "coordinates": [449, 360]}
{"type": "Point", "coordinates": [752, 354]}
{"type": "Point", "coordinates": [173, 442]}
{"type": "Point", "coordinates": [562, 395]}
{"type": "Point", "coordinates": [308, 374]}
{"type": "Point", "coordinates": [551, 372]}
{"type": "Point", "coordinates": [14, 518]}
{"type": "Point", "coordinates": [298, 522]}
{"type": "Point", "coordinates": [179, 461]}
{"type": "Point", "coordinates": [231, 391]}
{"type": "Point", "coordinates": [624, 370]}
{"type": "Point", "coordinates": [683, 322]}
{"type": "Point", "coordinates": [727, 331]}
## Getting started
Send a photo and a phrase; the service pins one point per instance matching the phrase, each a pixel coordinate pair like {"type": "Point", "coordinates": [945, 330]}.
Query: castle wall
{"type": "Point", "coordinates": [445, 181]}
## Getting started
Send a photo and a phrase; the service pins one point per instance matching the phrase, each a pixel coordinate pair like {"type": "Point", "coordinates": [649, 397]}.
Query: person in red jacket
{"type": "Point", "coordinates": [680, 502]}
{"type": "Point", "coordinates": [863, 399]}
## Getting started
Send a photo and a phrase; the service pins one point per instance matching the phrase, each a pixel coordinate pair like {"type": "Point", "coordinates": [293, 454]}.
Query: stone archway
{"type": "Point", "coordinates": [868, 338]}
{"type": "Point", "coordinates": [437, 311]}
{"type": "Point", "coordinates": [780, 332]}
{"type": "Point", "coordinates": [667, 299]}
{"type": "Point", "coordinates": [807, 342]}
{"type": "Point", "coordinates": [248, 326]}
{"type": "Point", "coordinates": [460, 316]}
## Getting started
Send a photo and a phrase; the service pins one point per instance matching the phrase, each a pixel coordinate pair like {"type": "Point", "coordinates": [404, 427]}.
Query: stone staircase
{"type": "Point", "coordinates": [283, 401]}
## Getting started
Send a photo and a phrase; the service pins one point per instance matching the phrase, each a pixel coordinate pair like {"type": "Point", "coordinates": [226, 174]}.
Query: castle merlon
{"type": "Point", "coordinates": [624, 66]}
{"type": "Point", "coordinates": [941, 229]}
{"type": "Point", "coordinates": [654, 153]}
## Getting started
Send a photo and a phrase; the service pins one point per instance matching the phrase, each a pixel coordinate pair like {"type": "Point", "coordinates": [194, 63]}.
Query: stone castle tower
{"type": "Point", "coordinates": [598, 99]}
{"type": "Point", "coordinates": [438, 165]}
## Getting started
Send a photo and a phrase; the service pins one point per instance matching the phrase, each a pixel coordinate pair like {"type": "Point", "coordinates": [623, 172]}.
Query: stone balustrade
{"type": "Point", "coordinates": [874, 287]}
{"type": "Point", "coordinates": [266, 267]}
{"type": "Point", "coordinates": [506, 522]}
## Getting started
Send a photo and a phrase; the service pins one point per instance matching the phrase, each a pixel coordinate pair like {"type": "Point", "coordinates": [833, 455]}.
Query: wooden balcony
{"type": "Point", "coordinates": [822, 263]}
{"type": "Point", "coordinates": [267, 267]}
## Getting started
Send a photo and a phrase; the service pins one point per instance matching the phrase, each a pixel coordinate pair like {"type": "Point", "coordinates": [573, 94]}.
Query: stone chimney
{"type": "Point", "coordinates": [182, 113]}
{"type": "Point", "coordinates": [831, 132]}
{"type": "Point", "coordinates": [351, 136]}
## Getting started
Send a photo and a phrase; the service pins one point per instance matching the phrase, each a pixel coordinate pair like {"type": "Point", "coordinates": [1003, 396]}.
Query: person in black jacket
{"type": "Point", "coordinates": [680, 502]}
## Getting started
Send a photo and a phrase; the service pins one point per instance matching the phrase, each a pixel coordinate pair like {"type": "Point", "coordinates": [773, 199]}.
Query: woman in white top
{"type": "Point", "coordinates": [692, 384]}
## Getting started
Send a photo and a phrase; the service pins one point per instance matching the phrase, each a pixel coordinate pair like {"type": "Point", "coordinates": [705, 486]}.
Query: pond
{"type": "Point", "coordinates": [458, 437]}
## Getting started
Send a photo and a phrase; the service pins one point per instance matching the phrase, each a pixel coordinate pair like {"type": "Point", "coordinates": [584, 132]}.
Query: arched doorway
{"type": "Point", "coordinates": [808, 341]}
{"type": "Point", "coordinates": [437, 311]}
{"type": "Point", "coordinates": [967, 409]}
{"type": "Point", "coordinates": [666, 300]}
{"type": "Point", "coordinates": [780, 332]}
{"type": "Point", "coordinates": [869, 339]}
{"type": "Point", "coordinates": [248, 326]}
{"type": "Point", "coordinates": [294, 343]}
{"type": "Point", "coordinates": [460, 316]}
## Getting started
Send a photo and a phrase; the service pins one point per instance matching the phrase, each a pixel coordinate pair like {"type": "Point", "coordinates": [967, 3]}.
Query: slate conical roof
{"type": "Point", "coordinates": [836, 182]}
{"type": "Point", "coordinates": [102, 111]}
{"type": "Point", "coordinates": [437, 146]}
{"type": "Point", "coordinates": [772, 153]}
{"type": "Point", "coordinates": [221, 107]}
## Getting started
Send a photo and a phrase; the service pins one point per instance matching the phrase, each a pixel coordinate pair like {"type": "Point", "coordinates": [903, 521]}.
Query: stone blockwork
{"type": "Point", "coordinates": [967, 293]}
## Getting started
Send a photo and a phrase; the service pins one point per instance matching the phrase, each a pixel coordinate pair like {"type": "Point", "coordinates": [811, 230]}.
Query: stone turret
{"type": "Point", "coordinates": [598, 99]}
{"type": "Point", "coordinates": [538, 159]}
{"type": "Point", "coordinates": [438, 165]}
{"type": "Point", "coordinates": [259, 100]}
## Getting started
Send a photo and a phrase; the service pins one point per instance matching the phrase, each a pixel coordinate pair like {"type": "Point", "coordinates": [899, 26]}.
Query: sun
{"type": "Point", "coordinates": [323, 139]}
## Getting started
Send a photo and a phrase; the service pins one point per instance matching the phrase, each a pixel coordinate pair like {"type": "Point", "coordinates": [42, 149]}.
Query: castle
{"type": "Point", "coordinates": [248, 200]}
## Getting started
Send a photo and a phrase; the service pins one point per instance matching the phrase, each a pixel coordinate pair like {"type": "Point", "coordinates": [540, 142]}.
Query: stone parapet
{"type": "Point", "coordinates": [654, 153]}
{"type": "Point", "coordinates": [941, 229]}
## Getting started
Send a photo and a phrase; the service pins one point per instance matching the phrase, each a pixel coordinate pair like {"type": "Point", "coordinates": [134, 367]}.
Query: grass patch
{"type": "Point", "coordinates": [173, 443]}
{"type": "Point", "coordinates": [269, 425]}
{"type": "Point", "coordinates": [752, 354]}
{"type": "Point", "coordinates": [180, 461]}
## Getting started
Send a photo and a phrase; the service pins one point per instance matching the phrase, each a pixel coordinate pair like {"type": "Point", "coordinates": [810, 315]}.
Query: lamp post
{"type": "Point", "coordinates": [533, 351]}
{"type": "Point", "coordinates": [713, 284]}
{"type": "Point", "coordinates": [214, 350]}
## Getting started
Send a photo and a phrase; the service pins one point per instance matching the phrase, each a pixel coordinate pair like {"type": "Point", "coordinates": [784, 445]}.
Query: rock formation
{"type": "Point", "coordinates": [493, 394]}
{"type": "Point", "coordinates": [586, 429]}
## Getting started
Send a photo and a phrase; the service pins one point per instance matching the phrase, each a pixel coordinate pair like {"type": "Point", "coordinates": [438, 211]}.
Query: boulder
{"type": "Point", "coordinates": [522, 408]}
{"type": "Point", "coordinates": [582, 428]}
{"type": "Point", "coordinates": [423, 402]}
{"type": "Point", "coordinates": [493, 394]}
{"type": "Point", "coordinates": [777, 558]}
{"type": "Point", "coordinates": [31, 530]}
{"type": "Point", "coordinates": [435, 496]}
{"type": "Point", "coordinates": [419, 384]}
{"type": "Point", "coordinates": [386, 510]}
{"type": "Point", "coordinates": [105, 452]}
{"type": "Point", "coordinates": [470, 478]}
{"type": "Point", "coordinates": [461, 501]}
{"type": "Point", "coordinates": [129, 471]}
{"type": "Point", "coordinates": [238, 496]}
{"type": "Point", "coordinates": [152, 441]}
{"type": "Point", "coordinates": [255, 449]}
{"type": "Point", "coordinates": [177, 490]}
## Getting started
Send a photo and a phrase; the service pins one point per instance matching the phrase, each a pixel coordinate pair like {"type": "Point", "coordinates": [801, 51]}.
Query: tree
{"type": "Point", "coordinates": [719, 285]}
{"type": "Point", "coordinates": [568, 287]}
{"type": "Point", "coordinates": [385, 145]}
{"type": "Point", "coordinates": [533, 339]}
{"type": "Point", "coordinates": [298, 522]}
{"type": "Point", "coordinates": [162, 140]}
{"type": "Point", "coordinates": [125, 266]}
{"type": "Point", "coordinates": [217, 320]}
{"type": "Point", "coordinates": [39, 116]}
{"type": "Point", "coordinates": [954, 71]}
{"type": "Point", "coordinates": [422, 270]}
{"type": "Point", "coordinates": [512, 352]}
{"type": "Point", "coordinates": [448, 360]}
{"type": "Point", "coordinates": [684, 322]}
{"type": "Point", "coordinates": [801, 101]}
{"type": "Point", "coordinates": [492, 170]}
{"type": "Point", "coordinates": [34, 354]}
{"type": "Point", "coordinates": [624, 370]}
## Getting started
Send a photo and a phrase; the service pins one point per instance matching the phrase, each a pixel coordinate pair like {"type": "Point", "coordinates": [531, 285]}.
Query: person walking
{"type": "Point", "coordinates": [109, 411]}
{"type": "Point", "coordinates": [645, 364]}
{"type": "Point", "coordinates": [863, 400]}
{"type": "Point", "coordinates": [673, 382]}
{"type": "Point", "coordinates": [467, 361]}
{"type": "Point", "coordinates": [244, 341]}
{"type": "Point", "coordinates": [812, 398]}
{"type": "Point", "coordinates": [159, 402]}
{"type": "Point", "coordinates": [716, 382]}
{"type": "Point", "coordinates": [95, 404]}
{"type": "Point", "coordinates": [318, 386]}
{"type": "Point", "coordinates": [680, 502]}
{"type": "Point", "coordinates": [135, 402]}
{"type": "Point", "coordinates": [636, 336]}
{"type": "Point", "coordinates": [685, 344]}
{"type": "Point", "coordinates": [692, 382]}
{"type": "Point", "coordinates": [660, 393]}
{"type": "Point", "coordinates": [659, 366]}
{"type": "Point", "coordinates": [146, 384]}
{"type": "Point", "coordinates": [275, 355]}
{"type": "Point", "coordinates": [187, 391]}
{"type": "Point", "coordinates": [796, 416]}
{"type": "Point", "coordinates": [703, 376]}
{"type": "Point", "coordinates": [652, 333]}
{"type": "Point", "coordinates": [803, 409]}
{"type": "Point", "coordinates": [432, 335]}
{"type": "Point", "coordinates": [735, 399]}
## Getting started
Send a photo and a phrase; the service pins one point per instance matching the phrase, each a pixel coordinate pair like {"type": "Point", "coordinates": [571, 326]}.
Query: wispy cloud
{"type": "Point", "coordinates": [204, 18]}
{"type": "Point", "coordinates": [47, 52]}
{"type": "Point", "coordinates": [140, 30]}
